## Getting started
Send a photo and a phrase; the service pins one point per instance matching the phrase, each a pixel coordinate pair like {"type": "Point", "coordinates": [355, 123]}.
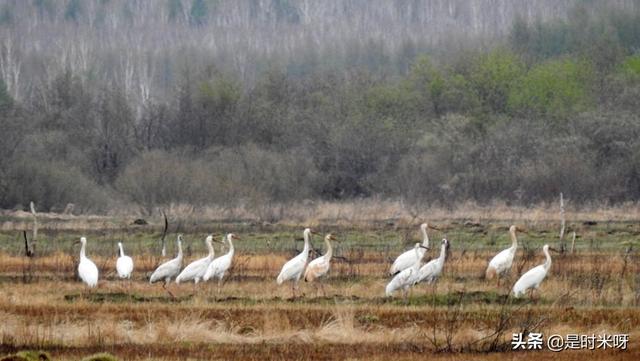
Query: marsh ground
{"type": "Point", "coordinates": [596, 290]}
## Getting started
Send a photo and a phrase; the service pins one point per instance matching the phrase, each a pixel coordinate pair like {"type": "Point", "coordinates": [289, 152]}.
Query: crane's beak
{"type": "Point", "coordinates": [331, 237]}
{"type": "Point", "coordinates": [237, 238]}
{"type": "Point", "coordinates": [76, 242]}
{"type": "Point", "coordinates": [553, 250]}
{"type": "Point", "coordinates": [433, 227]}
{"type": "Point", "coordinates": [421, 246]}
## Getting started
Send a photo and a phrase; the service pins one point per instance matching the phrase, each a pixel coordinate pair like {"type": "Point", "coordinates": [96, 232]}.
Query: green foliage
{"type": "Point", "coordinates": [630, 67]}
{"type": "Point", "coordinates": [198, 13]}
{"type": "Point", "coordinates": [45, 7]}
{"type": "Point", "coordinates": [556, 88]}
{"type": "Point", "coordinates": [100, 357]}
{"type": "Point", "coordinates": [441, 91]}
{"type": "Point", "coordinates": [6, 15]}
{"type": "Point", "coordinates": [28, 356]}
{"type": "Point", "coordinates": [353, 119]}
{"type": "Point", "coordinates": [6, 101]}
{"type": "Point", "coordinates": [627, 28]}
{"type": "Point", "coordinates": [493, 76]}
{"type": "Point", "coordinates": [74, 10]}
{"type": "Point", "coordinates": [601, 33]}
{"type": "Point", "coordinates": [175, 9]}
{"type": "Point", "coordinates": [286, 11]}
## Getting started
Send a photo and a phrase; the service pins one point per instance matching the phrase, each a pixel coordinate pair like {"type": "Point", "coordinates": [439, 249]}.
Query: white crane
{"type": "Point", "coordinates": [408, 258]}
{"type": "Point", "coordinates": [196, 269]}
{"type": "Point", "coordinates": [501, 263]}
{"type": "Point", "coordinates": [532, 278]}
{"type": "Point", "coordinates": [124, 264]}
{"type": "Point", "coordinates": [430, 272]}
{"type": "Point", "coordinates": [319, 267]}
{"type": "Point", "coordinates": [169, 269]}
{"type": "Point", "coordinates": [219, 266]}
{"type": "Point", "coordinates": [407, 277]}
{"type": "Point", "coordinates": [294, 268]}
{"type": "Point", "coordinates": [87, 270]}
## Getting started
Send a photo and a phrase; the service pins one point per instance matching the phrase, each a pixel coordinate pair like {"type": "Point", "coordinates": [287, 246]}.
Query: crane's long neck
{"type": "Point", "coordinates": [418, 258]}
{"type": "Point", "coordinates": [83, 254]}
{"type": "Point", "coordinates": [121, 250]}
{"type": "Point", "coordinates": [329, 253]}
{"type": "Point", "coordinates": [425, 237]}
{"type": "Point", "coordinates": [231, 249]}
{"type": "Point", "coordinates": [443, 254]}
{"type": "Point", "coordinates": [210, 248]}
{"type": "Point", "coordinates": [547, 262]}
{"type": "Point", "coordinates": [514, 240]}
{"type": "Point", "coordinates": [180, 250]}
{"type": "Point", "coordinates": [307, 245]}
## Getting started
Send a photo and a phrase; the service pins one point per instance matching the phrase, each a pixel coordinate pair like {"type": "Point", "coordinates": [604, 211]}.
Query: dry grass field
{"type": "Point", "coordinates": [43, 306]}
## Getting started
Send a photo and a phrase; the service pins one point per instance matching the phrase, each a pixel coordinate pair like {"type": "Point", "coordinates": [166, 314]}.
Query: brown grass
{"type": "Point", "coordinates": [252, 310]}
{"type": "Point", "coordinates": [593, 291]}
{"type": "Point", "coordinates": [311, 213]}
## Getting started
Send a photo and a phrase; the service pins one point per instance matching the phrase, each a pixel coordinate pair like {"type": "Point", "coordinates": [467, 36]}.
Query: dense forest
{"type": "Point", "coordinates": [110, 103]}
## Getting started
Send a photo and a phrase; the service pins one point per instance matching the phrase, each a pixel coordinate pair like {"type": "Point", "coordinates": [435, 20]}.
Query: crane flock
{"type": "Point", "coordinates": [407, 270]}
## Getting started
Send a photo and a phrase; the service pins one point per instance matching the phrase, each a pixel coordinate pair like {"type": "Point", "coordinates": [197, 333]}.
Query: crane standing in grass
{"type": "Point", "coordinates": [409, 258]}
{"type": "Point", "coordinates": [319, 267]}
{"type": "Point", "coordinates": [407, 277]}
{"type": "Point", "coordinates": [124, 264]}
{"type": "Point", "coordinates": [501, 263]}
{"type": "Point", "coordinates": [430, 272]}
{"type": "Point", "coordinates": [166, 271]}
{"type": "Point", "coordinates": [87, 270]}
{"type": "Point", "coordinates": [532, 279]}
{"type": "Point", "coordinates": [294, 268]}
{"type": "Point", "coordinates": [196, 269]}
{"type": "Point", "coordinates": [219, 266]}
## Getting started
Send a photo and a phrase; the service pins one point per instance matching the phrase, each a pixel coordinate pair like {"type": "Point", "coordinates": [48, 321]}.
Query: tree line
{"type": "Point", "coordinates": [550, 106]}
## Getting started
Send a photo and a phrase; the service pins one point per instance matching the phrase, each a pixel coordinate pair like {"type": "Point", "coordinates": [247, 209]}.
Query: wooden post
{"type": "Point", "coordinates": [562, 224]}
{"type": "Point", "coordinates": [29, 246]}
{"type": "Point", "coordinates": [35, 224]}
{"type": "Point", "coordinates": [573, 243]}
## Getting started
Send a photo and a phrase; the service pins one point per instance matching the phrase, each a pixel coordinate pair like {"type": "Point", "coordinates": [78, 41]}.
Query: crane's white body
{"type": "Point", "coordinates": [294, 268]}
{"type": "Point", "coordinates": [169, 269]}
{"type": "Point", "coordinates": [219, 266]}
{"type": "Point", "coordinates": [430, 272]}
{"type": "Point", "coordinates": [124, 264]}
{"type": "Point", "coordinates": [319, 267]}
{"type": "Point", "coordinates": [405, 278]}
{"type": "Point", "coordinates": [196, 269]}
{"type": "Point", "coordinates": [501, 263]}
{"type": "Point", "coordinates": [87, 270]}
{"type": "Point", "coordinates": [409, 258]}
{"type": "Point", "coordinates": [533, 277]}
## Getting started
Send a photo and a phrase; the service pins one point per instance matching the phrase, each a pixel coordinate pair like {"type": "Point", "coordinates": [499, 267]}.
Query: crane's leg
{"type": "Point", "coordinates": [324, 294]}
{"type": "Point", "coordinates": [164, 285]}
{"type": "Point", "coordinates": [293, 289]}
{"type": "Point", "coordinates": [195, 285]}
